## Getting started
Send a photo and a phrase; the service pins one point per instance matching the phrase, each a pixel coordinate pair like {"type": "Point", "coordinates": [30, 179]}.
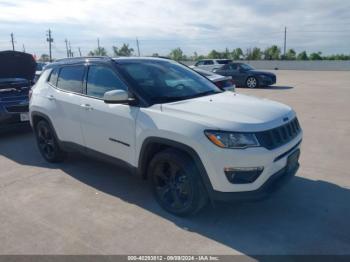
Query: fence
{"type": "Point", "coordinates": [297, 65]}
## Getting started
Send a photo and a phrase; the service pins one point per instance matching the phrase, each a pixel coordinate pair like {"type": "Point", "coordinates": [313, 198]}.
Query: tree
{"type": "Point", "coordinates": [44, 58]}
{"type": "Point", "coordinates": [237, 54]}
{"type": "Point", "coordinates": [226, 54]}
{"type": "Point", "coordinates": [214, 55]}
{"type": "Point", "coordinates": [253, 54]}
{"type": "Point", "coordinates": [316, 56]}
{"type": "Point", "coordinates": [176, 54]}
{"type": "Point", "coordinates": [302, 56]}
{"type": "Point", "coordinates": [272, 53]}
{"type": "Point", "coordinates": [291, 54]}
{"type": "Point", "coordinates": [125, 50]}
{"type": "Point", "coordinates": [100, 51]}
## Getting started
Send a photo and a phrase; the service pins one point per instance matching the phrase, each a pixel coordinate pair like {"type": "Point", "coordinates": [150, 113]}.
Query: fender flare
{"type": "Point", "coordinates": [142, 161]}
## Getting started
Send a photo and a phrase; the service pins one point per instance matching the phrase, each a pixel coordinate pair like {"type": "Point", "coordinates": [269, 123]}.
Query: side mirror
{"type": "Point", "coordinates": [116, 97]}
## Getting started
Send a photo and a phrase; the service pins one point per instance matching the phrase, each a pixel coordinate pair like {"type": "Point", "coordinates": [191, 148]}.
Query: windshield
{"type": "Point", "coordinates": [246, 67]}
{"type": "Point", "coordinates": [166, 81]}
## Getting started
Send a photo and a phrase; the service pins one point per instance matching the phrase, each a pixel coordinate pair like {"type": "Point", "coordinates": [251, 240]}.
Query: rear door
{"type": "Point", "coordinates": [64, 101]}
{"type": "Point", "coordinates": [107, 128]}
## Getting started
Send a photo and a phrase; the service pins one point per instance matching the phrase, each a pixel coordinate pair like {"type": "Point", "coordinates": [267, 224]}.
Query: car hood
{"type": "Point", "coordinates": [17, 65]}
{"type": "Point", "coordinates": [233, 112]}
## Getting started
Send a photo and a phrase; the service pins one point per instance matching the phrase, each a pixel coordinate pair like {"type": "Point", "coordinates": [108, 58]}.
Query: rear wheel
{"type": "Point", "coordinates": [252, 82]}
{"type": "Point", "coordinates": [47, 143]}
{"type": "Point", "coordinates": [176, 183]}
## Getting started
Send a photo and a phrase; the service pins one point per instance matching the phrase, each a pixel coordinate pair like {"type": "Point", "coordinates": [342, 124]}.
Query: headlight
{"type": "Point", "coordinates": [232, 139]}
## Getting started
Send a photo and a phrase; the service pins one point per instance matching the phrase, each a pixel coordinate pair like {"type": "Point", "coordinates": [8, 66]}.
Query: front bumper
{"type": "Point", "coordinates": [274, 183]}
{"type": "Point", "coordinates": [267, 81]}
{"type": "Point", "coordinates": [217, 160]}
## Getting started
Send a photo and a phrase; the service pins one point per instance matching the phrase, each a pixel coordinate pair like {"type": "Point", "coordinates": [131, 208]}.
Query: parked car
{"type": "Point", "coordinates": [246, 76]}
{"type": "Point", "coordinates": [17, 72]}
{"type": "Point", "coordinates": [223, 82]}
{"type": "Point", "coordinates": [211, 64]}
{"type": "Point", "coordinates": [39, 68]}
{"type": "Point", "coordinates": [171, 125]}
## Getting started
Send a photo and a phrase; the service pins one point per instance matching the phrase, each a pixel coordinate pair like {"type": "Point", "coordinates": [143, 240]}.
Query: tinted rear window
{"type": "Point", "coordinates": [53, 77]}
{"type": "Point", "coordinates": [71, 79]}
{"type": "Point", "coordinates": [223, 62]}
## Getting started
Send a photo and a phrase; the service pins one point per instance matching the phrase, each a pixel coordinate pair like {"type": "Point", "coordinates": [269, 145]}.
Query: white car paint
{"type": "Point", "coordinates": [90, 122]}
{"type": "Point", "coordinates": [209, 64]}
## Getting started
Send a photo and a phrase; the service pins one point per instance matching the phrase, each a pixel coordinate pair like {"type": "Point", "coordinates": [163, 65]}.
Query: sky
{"type": "Point", "coordinates": [162, 25]}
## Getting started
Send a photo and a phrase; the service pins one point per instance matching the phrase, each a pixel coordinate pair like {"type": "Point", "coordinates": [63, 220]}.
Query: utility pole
{"type": "Point", "coordinates": [285, 42]}
{"type": "Point", "coordinates": [66, 41]}
{"type": "Point", "coordinates": [24, 49]}
{"type": "Point", "coordinates": [79, 51]}
{"type": "Point", "coordinates": [98, 46]}
{"type": "Point", "coordinates": [13, 42]}
{"type": "Point", "coordinates": [138, 46]}
{"type": "Point", "coordinates": [70, 50]}
{"type": "Point", "coordinates": [50, 40]}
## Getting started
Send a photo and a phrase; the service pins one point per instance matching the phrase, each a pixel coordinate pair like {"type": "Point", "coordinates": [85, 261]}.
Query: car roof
{"type": "Point", "coordinates": [87, 59]}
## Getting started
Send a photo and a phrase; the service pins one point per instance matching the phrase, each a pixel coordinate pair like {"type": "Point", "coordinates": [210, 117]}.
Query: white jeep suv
{"type": "Point", "coordinates": [192, 140]}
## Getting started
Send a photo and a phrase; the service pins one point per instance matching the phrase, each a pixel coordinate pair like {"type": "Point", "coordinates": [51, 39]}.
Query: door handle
{"type": "Point", "coordinates": [87, 106]}
{"type": "Point", "coordinates": [51, 98]}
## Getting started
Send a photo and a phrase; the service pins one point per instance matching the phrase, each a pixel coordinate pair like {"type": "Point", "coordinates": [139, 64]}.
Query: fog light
{"type": "Point", "coordinates": [242, 175]}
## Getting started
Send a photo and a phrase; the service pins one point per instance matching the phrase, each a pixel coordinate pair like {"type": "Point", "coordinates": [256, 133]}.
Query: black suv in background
{"type": "Point", "coordinates": [17, 71]}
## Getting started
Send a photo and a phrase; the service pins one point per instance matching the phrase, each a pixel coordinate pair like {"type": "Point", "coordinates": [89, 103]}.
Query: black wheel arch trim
{"type": "Point", "coordinates": [47, 119]}
{"type": "Point", "coordinates": [142, 161]}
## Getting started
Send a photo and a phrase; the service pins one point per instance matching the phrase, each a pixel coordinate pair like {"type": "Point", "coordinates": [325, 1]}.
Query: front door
{"type": "Point", "coordinates": [107, 128]}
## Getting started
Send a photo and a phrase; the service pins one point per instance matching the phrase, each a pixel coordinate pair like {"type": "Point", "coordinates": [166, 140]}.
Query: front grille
{"type": "Point", "coordinates": [17, 108]}
{"type": "Point", "coordinates": [279, 136]}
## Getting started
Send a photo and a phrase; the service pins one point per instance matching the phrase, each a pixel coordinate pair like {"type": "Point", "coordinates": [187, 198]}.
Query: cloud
{"type": "Point", "coordinates": [199, 25]}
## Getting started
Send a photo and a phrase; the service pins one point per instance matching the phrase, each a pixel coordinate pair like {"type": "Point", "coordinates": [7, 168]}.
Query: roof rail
{"type": "Point", "coordinates": [81, 58]}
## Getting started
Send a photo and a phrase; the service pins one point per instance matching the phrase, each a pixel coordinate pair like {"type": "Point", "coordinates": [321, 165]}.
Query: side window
{"type": "Point", "coordinates": [233, 66]}
{"type": "Point", "coordinates": [71, 79]}
{"type": "Point", "coordinates": [199, 63]}
{"type": "Point", "coordinates": [209, 62]}
{"type": "Point", "coordinates": [53, 77]}
{"type": "Point", "coordinates": [102, 79]}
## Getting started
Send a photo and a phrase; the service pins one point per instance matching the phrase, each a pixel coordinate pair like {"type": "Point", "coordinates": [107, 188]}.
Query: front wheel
{"type": "Point", "coordinates": [176, 183]}
{"type": "Point", "coordinates": [252, 82]}
{"type": "Point", "coordinates": [47, 143]}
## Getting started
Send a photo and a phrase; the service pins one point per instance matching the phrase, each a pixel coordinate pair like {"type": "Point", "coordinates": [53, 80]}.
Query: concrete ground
{"type": "Point", "coordinates": [88, 207]}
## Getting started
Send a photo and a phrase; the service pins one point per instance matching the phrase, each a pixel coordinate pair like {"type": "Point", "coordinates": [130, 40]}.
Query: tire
{"type": "Point", "coordinates": [252, 82]}
{"type": "Point", "coordinates": [176, 183]}
{"type": "Point", "coordinates": [47, 143]}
